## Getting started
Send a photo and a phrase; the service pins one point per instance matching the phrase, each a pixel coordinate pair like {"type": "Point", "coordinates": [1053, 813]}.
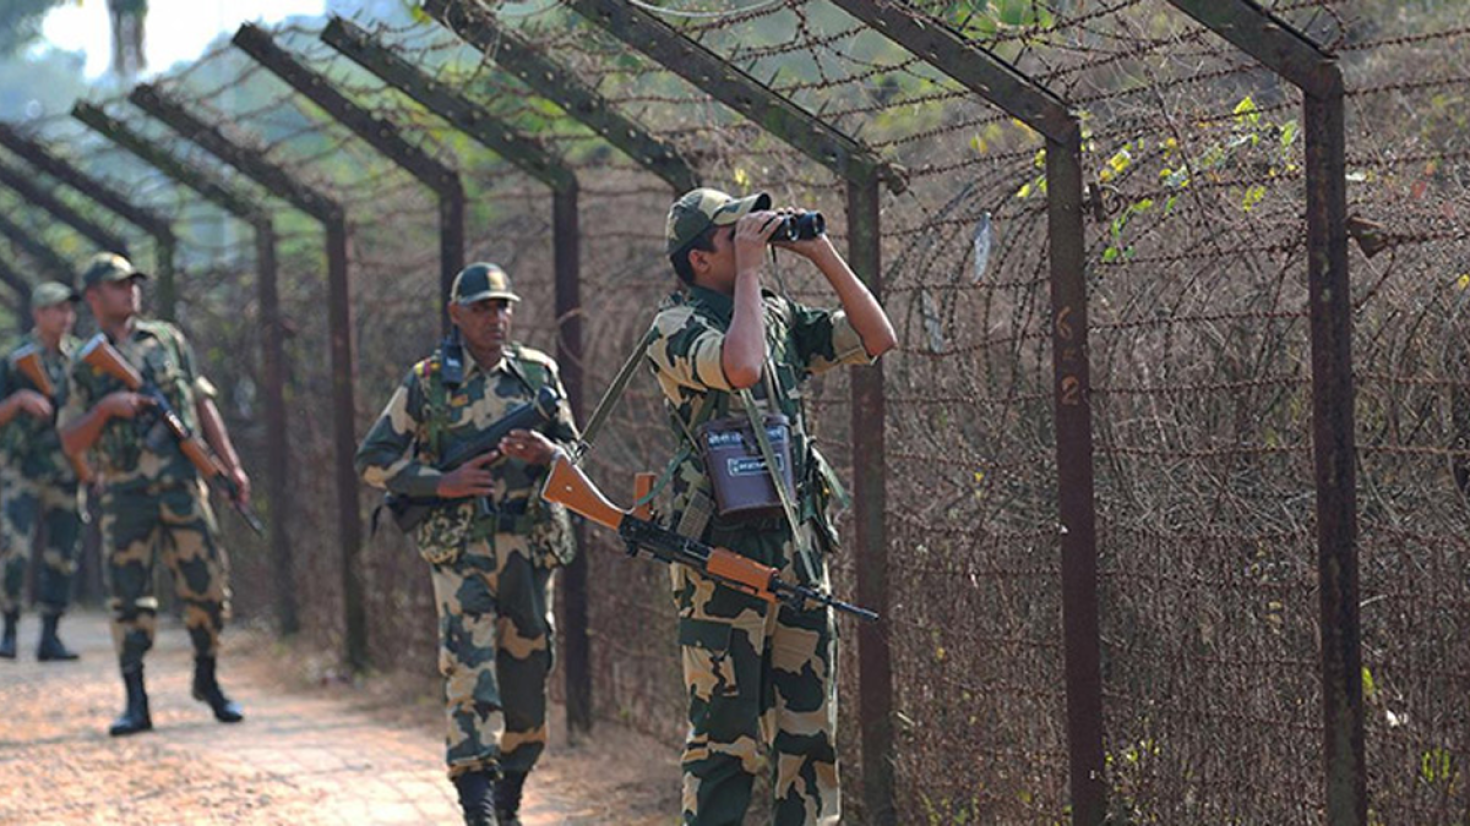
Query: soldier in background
{"type": "Point", "coordinates": [154, 502]}
{"type": "Point", "coordinates": [41, 486]}
{"type": "Point", "coordinates": [494, 548]}
{"type": "Point", "coordinates": [760, 677]}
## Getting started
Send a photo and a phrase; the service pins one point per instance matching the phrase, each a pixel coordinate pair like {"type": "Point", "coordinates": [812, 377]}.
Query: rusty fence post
{"type": "Point", "coordinates": [533, 158]}
{"type": "Point", "coordinates": [49, 259]}
{"type": "Point", "coordinates": [37, 155]}
{"type": "Point", "coordinates": [272, 334]}
{"type": "Point", "coordinates": [19, 285]}
{"type": "Point", "coordinates": [1000, 83]}
{"type": "Point", "coordinates": [25, 186]}
{"type": "Point", "coordinates": [566, 89]}
{"type": "Point", "coordinates": [1297, 59]}
{"type": "Point", "coordinates": [863, 170]}
{"type": "Point", "coordinates": [383, 136]}
{"type": "Point", "coordinates": [253, 164]}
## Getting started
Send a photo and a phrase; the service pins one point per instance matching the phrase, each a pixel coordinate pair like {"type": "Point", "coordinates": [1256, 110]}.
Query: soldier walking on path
{"type": "Point", "coordinates": [41, 487]}
{"type": "Point", "coordinates": [154, 502]}
{"type": "Point", "coordinates": [491, 542]}
{"type": "Point", "coordinates": [760, 677]}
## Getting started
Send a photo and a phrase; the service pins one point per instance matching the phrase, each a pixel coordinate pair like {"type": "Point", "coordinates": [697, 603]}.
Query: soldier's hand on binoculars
{"type": "Point", "coordinates": [528, 446]}
{"type": "Point", "coordinates": [469, 479]}
{"type": "Point", "coordinates": [34, 403]}
{"type": "Point", "coordinates": [125, 404]}
{"type": "Point", "coordinates": [752, 233]}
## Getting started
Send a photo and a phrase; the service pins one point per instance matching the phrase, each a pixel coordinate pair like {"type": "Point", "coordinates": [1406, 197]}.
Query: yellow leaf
{"type": "Point", "coordinates": [1463, 282]}
{"type": "Point", "coordinates": [742, 178]}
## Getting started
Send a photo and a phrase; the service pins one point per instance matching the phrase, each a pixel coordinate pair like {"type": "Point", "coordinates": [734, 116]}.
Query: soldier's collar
{"type": "Point", "coordinates": [718, 304]}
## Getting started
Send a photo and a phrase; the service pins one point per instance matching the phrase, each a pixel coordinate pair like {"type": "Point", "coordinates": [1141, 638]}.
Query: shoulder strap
{"type": "Point", "coordinates": [611, 395]}
{"type": "Point", "coordinates": [521, 366]}
{"type": "Point", "coordinates": [768, 454]}
{"type": "Point", "coordinates": [436, 393]}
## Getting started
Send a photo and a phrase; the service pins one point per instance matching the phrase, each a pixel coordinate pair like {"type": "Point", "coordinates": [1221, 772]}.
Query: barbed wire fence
{"type": "Point", "coordinates": [1199, 350]}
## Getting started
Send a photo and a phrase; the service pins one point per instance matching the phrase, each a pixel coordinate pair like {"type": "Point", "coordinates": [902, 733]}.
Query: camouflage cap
{"type": "Point", "coordinates": [51, 293]}
{"type": "Point", "coordinates": [108, 266]}
{"type": "Point", "coordinates": [480, 281]}
{"type": "Point", "coordinates": [699, 209]}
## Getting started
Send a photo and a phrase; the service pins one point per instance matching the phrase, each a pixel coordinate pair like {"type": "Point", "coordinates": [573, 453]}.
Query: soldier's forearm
{"type": "Point", "coordinates": [863, 310]}
{"type": "Point", "coordinates": [743, 353]}
{"type": "Point", "coordinates": [78, 437]}
{"type": "Point", "coordinates": [215, 433]}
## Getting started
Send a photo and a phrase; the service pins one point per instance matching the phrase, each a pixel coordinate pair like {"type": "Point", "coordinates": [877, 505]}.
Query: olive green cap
{"type": "Point", "coordinates": [108, 266]}
{"type": "Point", "coordinates": [699, 209]}
{"type": "Point", "coordinates": [51, 293]}
{"type": "Point", "coordinates": [480, 281]}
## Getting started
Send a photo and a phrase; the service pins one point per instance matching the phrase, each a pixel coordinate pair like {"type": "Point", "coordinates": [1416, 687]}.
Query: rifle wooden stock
{"type": "Point", "coordinates": [642, 485]}
{"type": "Point", "coordinates": [101, 356]}
{"type": "Point", "coordinates": [28, 362]}
{"type": "Point", "coordinates": [567, 485]}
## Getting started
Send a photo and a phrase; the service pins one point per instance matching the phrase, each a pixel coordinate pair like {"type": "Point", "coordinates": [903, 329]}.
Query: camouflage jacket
{"type": "Point", "coordinates": [32, 446]}
{"type": "Point", "coordinates": [425, 418]}
{"type": "Point", "coordinates": [129, 453]}
{"type": "Point", "coordinates": [688, 336]}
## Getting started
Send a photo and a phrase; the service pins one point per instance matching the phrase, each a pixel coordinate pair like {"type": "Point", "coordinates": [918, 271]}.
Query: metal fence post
{"type": "Point", "coordinates": [150, 222]}
{"type": "Point", "coordinates": [531, 157]}
{"type": "Point", "coordinates": [272, 352]}
{"type": "Point", "coordinates": [26, 188]}
{"type": "Point", "coordinates": [1003, 85]}
{"type": "Point", "coordinates": [864, 171]}
{"type": "Point", "coordinates": [49, 259]}
{"type": "Point", "coordinates": [333, 218]}
{"type": "Point", "coordinates": [382, 136]}
{"type": "Point", "coordinates": [1285, 51]}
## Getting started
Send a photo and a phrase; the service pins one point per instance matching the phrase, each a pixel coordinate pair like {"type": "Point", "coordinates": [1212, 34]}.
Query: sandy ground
{"type": "Point", "coordinates": [312, 750]}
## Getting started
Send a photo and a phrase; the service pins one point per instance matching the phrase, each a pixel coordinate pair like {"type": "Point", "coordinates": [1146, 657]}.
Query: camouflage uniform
{"type": "Point", "coordinates": [154, 500]}
{"type": "Point", "coordinates": [491, 565]}
{"type": "Point", "coordinates": [758, 677]}
{"type": "Point", "coordinates": [40, 487]}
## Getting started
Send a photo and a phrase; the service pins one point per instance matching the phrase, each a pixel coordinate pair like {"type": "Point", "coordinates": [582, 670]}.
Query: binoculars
{"type": "Point", "coordinates": [803, 226]}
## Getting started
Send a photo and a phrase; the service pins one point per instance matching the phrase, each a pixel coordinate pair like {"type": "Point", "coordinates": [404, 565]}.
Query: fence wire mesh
{"type": "Point", "coordinates": [1200, 361]}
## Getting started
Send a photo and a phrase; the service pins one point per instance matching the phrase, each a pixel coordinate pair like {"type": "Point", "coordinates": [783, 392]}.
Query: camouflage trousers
{"type": "Point", "coordinates": [26, 505]}
{"type": "Point", "coordinates": [174, 522]}
{"type": "Point", "coordinates": [761, 681]}
{"type": "Point", "coordinates": [495, 650]}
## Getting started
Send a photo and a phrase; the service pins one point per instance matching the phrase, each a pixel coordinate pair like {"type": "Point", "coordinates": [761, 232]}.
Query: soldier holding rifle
{"type": "Point", "coordinates": [155, 500]}
{"type": "Point", "coordinates": [492, 544]}
{"type": "Point", "coordinates": [41, 485]}
{"type": "Point", "coordinates": [760, 675]}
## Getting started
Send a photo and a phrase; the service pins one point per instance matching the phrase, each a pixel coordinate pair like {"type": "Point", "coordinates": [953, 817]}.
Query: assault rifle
{"type": "Point", "coordinates": [409, 512]}
{"type": "Point", "coordinates": [568, 485]}
{"type": "Point", "coordinates": [105, 359]}
{"type": "Point", "coordinates": [28, 362]}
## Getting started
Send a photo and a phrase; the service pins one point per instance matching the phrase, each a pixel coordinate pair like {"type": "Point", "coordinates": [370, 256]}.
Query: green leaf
{"type": "Point", "coordinates": [1368, 688]}
{"type": "Point", "coordinates": [1289, 132]}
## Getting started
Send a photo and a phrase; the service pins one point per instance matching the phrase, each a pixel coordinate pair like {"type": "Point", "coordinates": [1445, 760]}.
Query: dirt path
{"type": "Point", "coordinates": [324, 754]}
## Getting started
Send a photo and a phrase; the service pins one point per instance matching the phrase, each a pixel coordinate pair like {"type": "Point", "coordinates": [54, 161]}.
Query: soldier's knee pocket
{"type": "Point", "coordinates": [709, 668]}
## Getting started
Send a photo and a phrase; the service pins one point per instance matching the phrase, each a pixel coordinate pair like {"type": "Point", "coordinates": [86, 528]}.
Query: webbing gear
{"type": "Point", "coordinates": [768, 454]}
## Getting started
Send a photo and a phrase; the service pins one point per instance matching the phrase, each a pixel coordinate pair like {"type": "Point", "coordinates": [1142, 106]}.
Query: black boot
{"type": "Point", "coordinates": [135, 717]}
{"type": "Point", "coordinates": [207, 690]}
{"type": "Point", "coordinates": [476, 799]}
{"type": "Point", "coordinates": [7, 642]}
{"type": "Point", "coordinates": [51, 647]}
{"type": "Point", "coordinates": [508, 797]}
